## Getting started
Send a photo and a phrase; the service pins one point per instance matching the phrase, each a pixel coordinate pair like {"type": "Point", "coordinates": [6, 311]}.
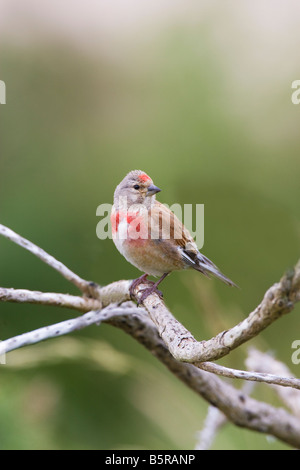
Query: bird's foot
{"type": "Point", "coordinates": [144, 292]}
{"type": "Point", "coordinates": [148, 291]}
{"type": "Point", "coordinates": [140, 280]}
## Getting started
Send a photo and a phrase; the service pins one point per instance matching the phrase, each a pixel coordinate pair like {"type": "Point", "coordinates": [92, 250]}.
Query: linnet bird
{"type": "Point", "coordinates": [150, 236]}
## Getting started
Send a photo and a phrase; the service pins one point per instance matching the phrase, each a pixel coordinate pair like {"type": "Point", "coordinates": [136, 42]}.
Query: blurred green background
{"type": "Point", "coordinates": [198, 95]}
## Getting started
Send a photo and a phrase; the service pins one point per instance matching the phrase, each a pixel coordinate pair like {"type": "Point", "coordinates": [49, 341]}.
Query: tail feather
{"type": "Point", "coordinates": [207, 267]}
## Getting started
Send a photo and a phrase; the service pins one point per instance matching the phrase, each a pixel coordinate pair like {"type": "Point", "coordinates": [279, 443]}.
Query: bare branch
{"type": "Point", "coordinates": [238, 407]}
{"type": "Point", "coordinates": [278, 300]}
{"type": "Point", "coordinates": [81, 284]}
{"type": "Point", "coordinates": [118, 292]}
{"type": "Point", "coordinates": [235, 404]}
{"type": "Point", "coordinates": [83, 304]}
{"type": "Point", "coordinates": [65, 327]}
{"type": "Point", "coordinates": [115, 292]}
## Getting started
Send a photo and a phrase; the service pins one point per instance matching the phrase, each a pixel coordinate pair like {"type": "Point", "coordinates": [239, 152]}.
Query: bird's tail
{"type": "Point", "coordinates": [207, 267]}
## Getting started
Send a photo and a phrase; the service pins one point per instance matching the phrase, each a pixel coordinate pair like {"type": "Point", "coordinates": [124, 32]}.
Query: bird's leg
{"type": "Point", "coordinates": [150, 290]}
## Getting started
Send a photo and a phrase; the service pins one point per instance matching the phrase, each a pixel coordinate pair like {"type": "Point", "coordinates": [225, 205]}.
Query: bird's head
{"type": "Point", "coordinates": [136, 188]}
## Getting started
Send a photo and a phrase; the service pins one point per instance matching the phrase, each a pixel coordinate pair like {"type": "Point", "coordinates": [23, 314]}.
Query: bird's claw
{"type": "Point", "coordinates": [148, 291]}
{"type": "Point", "coordinates": [140, 280]}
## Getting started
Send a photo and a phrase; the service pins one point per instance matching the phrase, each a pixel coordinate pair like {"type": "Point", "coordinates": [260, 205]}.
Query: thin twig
{"type": "Point", "coordinates": [252, 376]}
{"type": "Point", "coordinates": [83, 285]}
{"type": "Point", "coordinates": [82, 304]}
{"type": "Point", "coordinates": [64, 327]}
{"type": "Point", "coordinates": [116, 292]}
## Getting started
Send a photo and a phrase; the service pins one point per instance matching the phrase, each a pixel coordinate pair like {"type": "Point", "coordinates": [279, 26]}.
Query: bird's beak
{"type": "Point", "coordinates": [152, 190]}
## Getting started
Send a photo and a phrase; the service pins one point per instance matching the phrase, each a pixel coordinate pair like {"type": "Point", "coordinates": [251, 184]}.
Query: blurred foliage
{"type": "Point", "coordinates": [73, 126]}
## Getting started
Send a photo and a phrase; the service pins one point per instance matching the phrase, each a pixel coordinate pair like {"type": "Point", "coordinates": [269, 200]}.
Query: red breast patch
{"type": "Point", "coordinates": [117, 217]}
{"type": "Point", "coordinates": [135, 226]}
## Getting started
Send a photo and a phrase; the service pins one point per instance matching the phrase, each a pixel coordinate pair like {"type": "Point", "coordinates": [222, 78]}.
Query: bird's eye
{"type": "Point", "coordinates": [136, 186]}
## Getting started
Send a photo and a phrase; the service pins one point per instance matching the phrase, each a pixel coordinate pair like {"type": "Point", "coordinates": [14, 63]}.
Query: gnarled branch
{"type": "Point", "coordinates": [156, 328]}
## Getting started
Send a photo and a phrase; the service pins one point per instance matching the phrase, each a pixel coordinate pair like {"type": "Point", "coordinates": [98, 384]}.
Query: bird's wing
{"type": "Point", "coordinates": [164, 225]}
